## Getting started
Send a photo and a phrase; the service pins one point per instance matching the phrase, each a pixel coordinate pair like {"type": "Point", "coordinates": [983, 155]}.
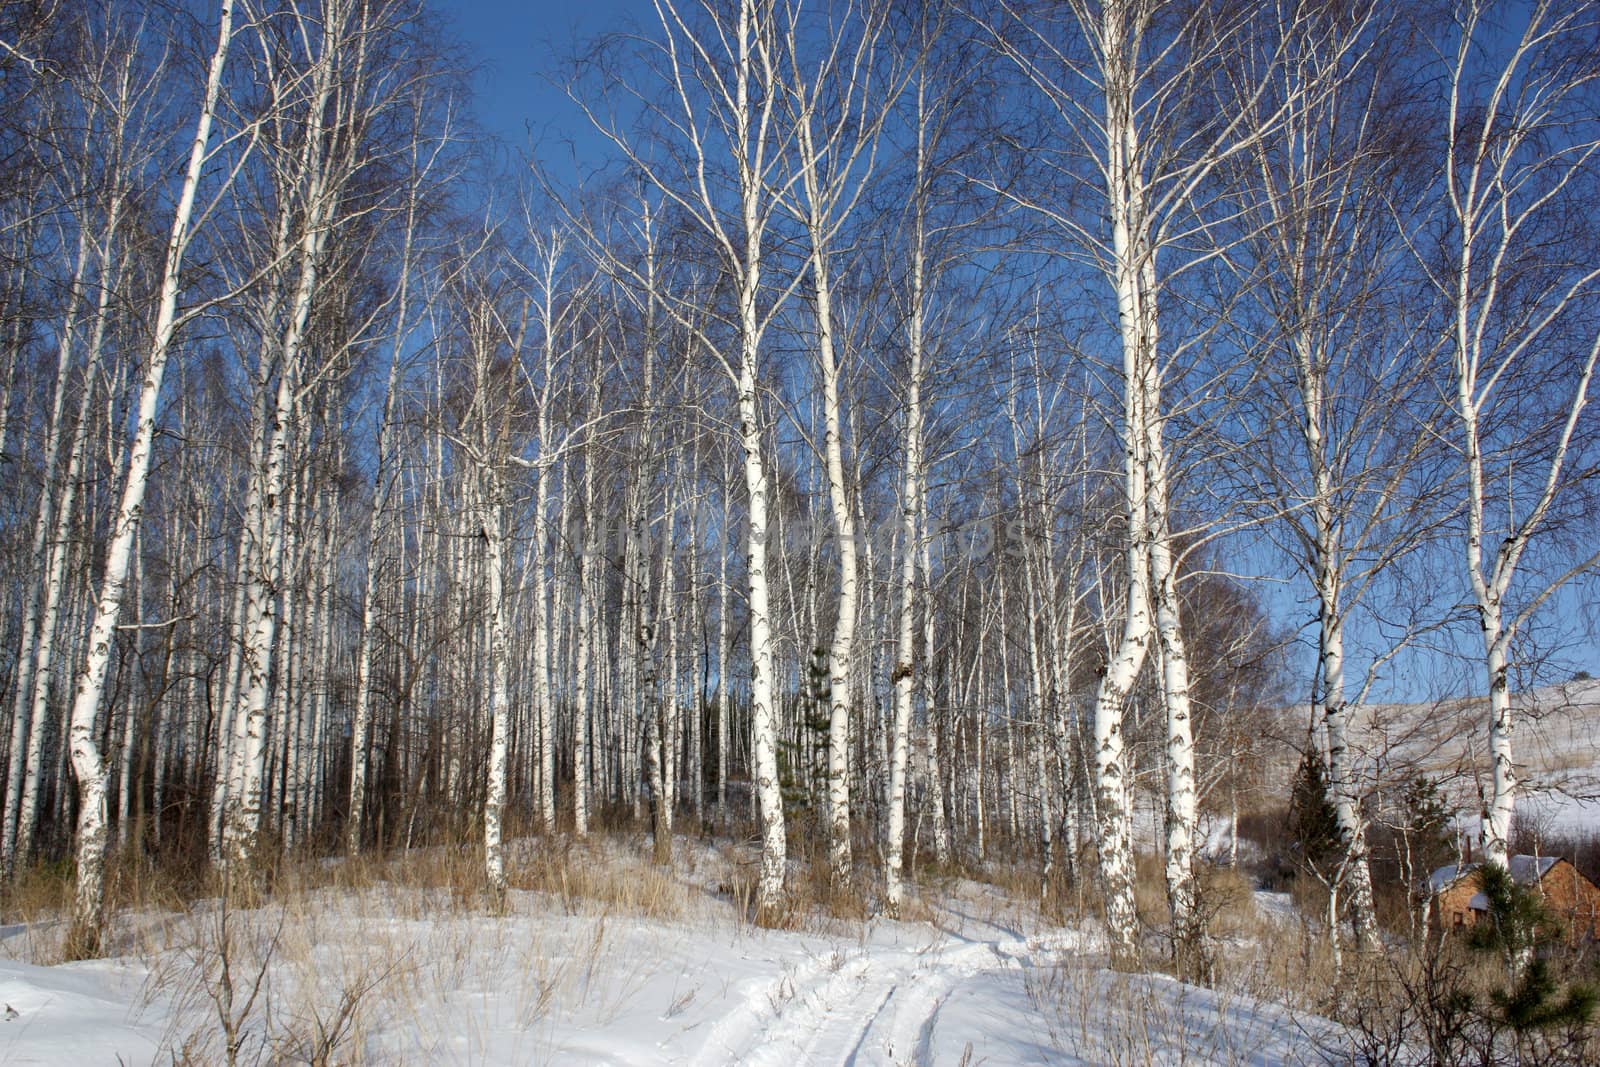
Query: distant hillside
{"type": "Point", "coordinates": [1557, 747]}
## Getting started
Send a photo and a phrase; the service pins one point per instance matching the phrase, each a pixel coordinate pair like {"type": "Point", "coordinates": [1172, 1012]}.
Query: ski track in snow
{"type": "Point", "coordinates": [859, 1008]}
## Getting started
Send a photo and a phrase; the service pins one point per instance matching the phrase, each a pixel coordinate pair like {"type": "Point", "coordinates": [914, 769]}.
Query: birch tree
{"type": "Point", "coordinates": [492, 336]}
{"type": "Point", "coordinates": [1325, 256]}
{"type": "Point", "coordinates": [932, 227]}
{"type": "Point", "coordinates": [903, 678]}
{"type": "Point", "coordinates": [720, 165]}
{"type": "Point", "coordinates": [327, 69]}
{"type": "Point", "coordinates": [87, 762]}
{"type": "Point", "coordinates": [1135, 137]}
{"type": "Point", "coordinates": [1517, 281]}
{"type": "Point", "coordinates": [834, 107]}
{"type": "Point", "coordinates": [424, 177]}
{"type": "Point", "coordinates": [556, 301]}
{"type": "Point", "coordinates": [116, 139]}
{"type": "Point", "coordinates": [309, 182]}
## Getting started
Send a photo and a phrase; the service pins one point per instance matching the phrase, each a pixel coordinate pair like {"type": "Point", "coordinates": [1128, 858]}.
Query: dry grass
{"type": "Point", "coordinates": [1287, 963]}
{"type": "Point", "coordinates": [317, 960]}
{"type": "Point", "coordinates": [1228, 899]}
{"type": "Point", "coordinates": [1150, 891]}
{"type": "Point", "coordinates": [38, 893]}
{"type": "Point", "coordinates": [1020, 880]}
{"type": "Point", "coordinates": [593, 876]}
{"type": "Point", "coordinates": [1100, 1016]}
{"type": "Point", "coordinates": [815, 893]}
{"type": "Point", "coordinates": [1225, 895]}
{"type": "Point", "coordinates": [142, 892]}
{"type": "Point", "coordinates": [811, 902]}
{"type": "Point", "coordinates": [40, 898]}
{"type": "Point", "coordinates": [439, 877]}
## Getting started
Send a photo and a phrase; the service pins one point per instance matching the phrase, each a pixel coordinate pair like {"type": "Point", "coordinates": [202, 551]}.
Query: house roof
{"type": "Point", "coordinates": [1446, 875]}
{"type": "Point", "coordinates": [1524, 870]}
{"type": "Point", "coordinates": [1529, 869]}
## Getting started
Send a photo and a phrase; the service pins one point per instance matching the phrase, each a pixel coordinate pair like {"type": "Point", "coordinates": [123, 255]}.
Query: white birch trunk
{"type": "Point", "coordinates": [1041, 765]}
{"type": "Point", "coordinates": [666, 691]}
{"type": "Point", "coordinates": [695, 695]}
{"type": "Point", "coordinates": [25, 724]}
{"type": "Point", "coordinates": [1489, 163]}
{"type": "Point", "coordinates": [312, 788]}
{"type": "Point", "coordinates": [491, 526]}
{"type": "Point", "coordinates": [1346, 802]}
{"type": "Point", "coordinates": [126, 749]}
{"type": "Point", "coordinates": [22, 824]}
{"type": "Point", "coordinates": [588, 589]}
{"type": "Point", "coordinates": [229, 767]}
{"type": "Point", "coordinates": [763, 725]}
{"type": "Point", "coordinates": [934, 772]}
{"type": "Point", "coordinates": [904, 677]}
{"type": "Point", "coordinates": [240, 831]}
{"type": "Point", "coordinates": [742, 67]}
{"type": "Point", "coordinates": [840, 652]}
{"type": "Point", "coordinates": [724, 641]}
{"type": "Point", "coordinates": [541, 638]}
{"type": "Point", "coordinates": [382, 478]}
{"type": "Point", "coordinates": [763, 710]}
{"type": "Point", "coordinates": [1182, 792]}
{"type": "Point", "coordinates": [248, 768]}
{"type": "Point", "coordinates": [545, 467]}
{"type": "Point", "coordinates": [1132, 263]}
{"type": "Point", "coordinates": [286, 703]}
{"type": "Point", "coordinates": [654, 743]}
{"type": "Point", "coordinates": [1112, 784]}
{"type": "Point", "coordinates": [87, 762]}
{"type": "Point", "coordinates": [225, 779]}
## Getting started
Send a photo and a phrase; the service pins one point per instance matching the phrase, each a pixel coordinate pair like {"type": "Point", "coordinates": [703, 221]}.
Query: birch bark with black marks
{"type": "Point", "coordinates": [88, 764]}
{"type": "Point", "coordinates": [1506, 186]}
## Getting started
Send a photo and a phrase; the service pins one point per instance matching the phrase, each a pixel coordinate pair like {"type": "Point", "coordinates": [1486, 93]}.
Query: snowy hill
{"type": "Point", "coordinates": [1557, 746]}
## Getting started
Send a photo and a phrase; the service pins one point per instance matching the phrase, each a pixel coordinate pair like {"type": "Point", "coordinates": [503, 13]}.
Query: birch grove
{"type": "Point", "coordinates": [919, 441]}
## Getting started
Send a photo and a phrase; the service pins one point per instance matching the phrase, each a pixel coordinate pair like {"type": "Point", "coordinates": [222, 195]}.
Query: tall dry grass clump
{"type": "Point", "coordinates": [596, 876]}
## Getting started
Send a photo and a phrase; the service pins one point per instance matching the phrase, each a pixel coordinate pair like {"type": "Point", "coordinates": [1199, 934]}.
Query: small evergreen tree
{"type": "Point", "coordinates": [1427, 837]}
{"type": "Point", "coordinates": [1470, 1012]}
{"type": "Point", "coordinates": [1314, 833]}
{"type": "Point", "coordinates": [1520, 927]}
{"type": "Point", "coordinates": [802, 762]}
{"type": "Point", "coordinates": [1427, 820]}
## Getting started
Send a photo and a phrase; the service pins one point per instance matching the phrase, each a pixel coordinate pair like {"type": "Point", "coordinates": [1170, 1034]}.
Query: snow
{"type": "Point", "coordinates": [1114, 1018]}
{"type": "Point", "coordinates": [1275, 907]}
{"type": "Point", "coordinates": [436, 980]}
{"type": "Point", "coordinates": [1529, 869]}
{"type": "Point", "coordinates": [1445, 875]}
{"type": "Point", "coordinates": [83, 1013]}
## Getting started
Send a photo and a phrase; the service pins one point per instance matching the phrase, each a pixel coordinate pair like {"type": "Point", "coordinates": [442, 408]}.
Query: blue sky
{"type": "Point", "coordinates": [521, 45]}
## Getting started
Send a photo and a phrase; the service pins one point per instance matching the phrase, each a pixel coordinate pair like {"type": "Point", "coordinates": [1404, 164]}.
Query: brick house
{"type": "Point", "coordinates": [1458, 901]}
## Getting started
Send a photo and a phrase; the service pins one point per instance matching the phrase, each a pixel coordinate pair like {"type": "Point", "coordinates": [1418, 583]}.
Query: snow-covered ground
{"type": "Point", "coordinates": [392, 973]}
{"type": "Point", "coordinates": [79, 1014]}
{"type": "Point", "coordinates": [430, 980]}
